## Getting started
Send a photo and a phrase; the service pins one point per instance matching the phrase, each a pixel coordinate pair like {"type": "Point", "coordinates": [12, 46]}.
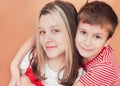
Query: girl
{"type": "Point", "coordinates": [55, 60]}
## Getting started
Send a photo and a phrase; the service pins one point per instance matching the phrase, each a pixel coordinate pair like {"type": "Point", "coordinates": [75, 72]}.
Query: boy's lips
{"type": "Point", "coordinates": [86, 49]}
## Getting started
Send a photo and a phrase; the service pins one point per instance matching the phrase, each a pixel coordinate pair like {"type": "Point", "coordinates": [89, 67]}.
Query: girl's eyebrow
{"type": "Point", "coordinates": [39, 27]}
{"type": "Point", "coordinates": [53, 26]}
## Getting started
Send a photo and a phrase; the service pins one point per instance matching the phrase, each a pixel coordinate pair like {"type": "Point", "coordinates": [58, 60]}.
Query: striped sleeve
{"type": "Point", "coordinates": [102, 75]}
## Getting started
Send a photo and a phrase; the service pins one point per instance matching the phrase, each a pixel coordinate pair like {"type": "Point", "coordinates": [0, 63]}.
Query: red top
{"type": "Point", "coordinates": [103, 70]}
{"type": "Point", "coordinates": [33, 78]}
{"type": "Point", "coordinates": [31, 75]}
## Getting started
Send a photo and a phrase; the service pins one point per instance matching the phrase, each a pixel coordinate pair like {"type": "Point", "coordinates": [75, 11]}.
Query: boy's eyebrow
{"type": "Point", "coordinates": [99, 33]}
{"type": "Point", "coordinates": [81, 28]}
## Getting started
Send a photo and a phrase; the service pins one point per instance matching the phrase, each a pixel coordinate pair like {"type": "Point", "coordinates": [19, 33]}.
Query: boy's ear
{"type": "Point", "coordinates": [107, 42]}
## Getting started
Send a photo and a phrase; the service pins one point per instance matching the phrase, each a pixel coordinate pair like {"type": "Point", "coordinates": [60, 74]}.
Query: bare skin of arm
{"type": "Point", "coordinates": [25, 81]}
{"type": "Point", "coordinates": [78, 84]}
{"type": "Point", "coordinates": [14, 67]}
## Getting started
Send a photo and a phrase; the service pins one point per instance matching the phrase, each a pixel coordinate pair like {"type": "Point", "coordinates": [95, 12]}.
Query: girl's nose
{"type": "Point", "coordinates": [47, 38]}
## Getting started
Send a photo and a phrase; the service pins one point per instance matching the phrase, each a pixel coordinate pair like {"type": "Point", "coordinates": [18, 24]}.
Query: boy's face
{"type": "Point", "coordinates": [90, 39]}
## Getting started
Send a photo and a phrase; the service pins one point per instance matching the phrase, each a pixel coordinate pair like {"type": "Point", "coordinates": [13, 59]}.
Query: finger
{"type": "Point", "coordinates": [12, 82]}
{"type": "Point", "coordinates": [18, 81]}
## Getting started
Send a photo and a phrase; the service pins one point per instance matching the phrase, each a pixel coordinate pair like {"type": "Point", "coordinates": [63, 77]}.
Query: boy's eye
{"type": "Point", "coordinates": [83, 32]}
{"type": "Point", "coordinates": [98, 37]}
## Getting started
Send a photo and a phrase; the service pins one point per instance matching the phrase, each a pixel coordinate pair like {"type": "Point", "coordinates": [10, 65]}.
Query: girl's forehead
{"type": "Point", "coordinates": [47, 20]}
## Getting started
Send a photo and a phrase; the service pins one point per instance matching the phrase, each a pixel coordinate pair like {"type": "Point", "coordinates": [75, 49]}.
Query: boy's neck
{"type": "Point", "coordinates": [87, 60]}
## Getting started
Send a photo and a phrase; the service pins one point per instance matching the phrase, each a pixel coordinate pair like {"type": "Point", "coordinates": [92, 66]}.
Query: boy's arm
{"type": "Point", "coordinates": [23, 51]}
{"type": "Point", "coordinates": [103, 74]}
{"type": "Point", "coordinates": [14, 67]}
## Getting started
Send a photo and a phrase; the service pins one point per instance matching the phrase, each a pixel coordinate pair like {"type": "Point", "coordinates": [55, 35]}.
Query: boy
{"type": "Point", "coordinates": [97, 23]}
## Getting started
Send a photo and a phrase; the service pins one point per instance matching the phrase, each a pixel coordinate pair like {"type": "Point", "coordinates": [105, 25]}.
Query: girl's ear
{"type": "Point", "coordinates": [107, 42]}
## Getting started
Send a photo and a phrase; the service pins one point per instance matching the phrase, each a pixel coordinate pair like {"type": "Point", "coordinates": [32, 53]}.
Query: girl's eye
{"type": "Point", "coordinates": [42, 32]}
{"type": "Point", "coordinates": [56, 31]}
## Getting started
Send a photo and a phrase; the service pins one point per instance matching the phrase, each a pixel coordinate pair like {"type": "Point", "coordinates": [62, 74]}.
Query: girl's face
{"type": "Point", "coordinates": [51, 37]}
{"type": "Point", "coordinates": [90, 39]}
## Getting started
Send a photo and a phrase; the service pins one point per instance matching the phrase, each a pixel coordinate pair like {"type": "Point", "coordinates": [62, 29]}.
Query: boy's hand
{"type": "Point", "coordinates": [25, 81]}
{"type": "Point", "coordinates": [15, 74]}
{"type": "Point", "coordinates": [13, 83]}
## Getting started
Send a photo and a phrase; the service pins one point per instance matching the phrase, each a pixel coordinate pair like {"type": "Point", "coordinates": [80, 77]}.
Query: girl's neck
{"type": "Point", "coordinates": [56, 64]}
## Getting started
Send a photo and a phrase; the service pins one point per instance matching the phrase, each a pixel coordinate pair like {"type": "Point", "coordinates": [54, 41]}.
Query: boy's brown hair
{"type": "Point", "coordinates": [99, 13]}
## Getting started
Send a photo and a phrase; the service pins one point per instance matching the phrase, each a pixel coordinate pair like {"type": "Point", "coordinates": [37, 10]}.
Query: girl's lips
{"type": "Point", "coordinates": [48, 47]}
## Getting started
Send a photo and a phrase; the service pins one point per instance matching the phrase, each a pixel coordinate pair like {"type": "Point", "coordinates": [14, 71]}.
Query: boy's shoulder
{"type": "Point", "coordinates": [109, 48]}
{"type": "Point", "coordinates": [105, 56]}
{"type": "Point", "coordinates": [106, 53]}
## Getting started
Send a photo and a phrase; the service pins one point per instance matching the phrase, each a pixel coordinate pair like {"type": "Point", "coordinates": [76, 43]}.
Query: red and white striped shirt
{"type": "Point", "coordinates": [103, 70]}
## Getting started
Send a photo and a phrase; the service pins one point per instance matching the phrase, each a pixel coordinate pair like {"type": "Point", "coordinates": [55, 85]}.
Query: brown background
{"type": "Point", "coordinates": [18, 20]}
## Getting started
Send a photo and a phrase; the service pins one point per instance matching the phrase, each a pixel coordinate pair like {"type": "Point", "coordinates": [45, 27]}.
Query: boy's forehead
{"type": "Point", "coordinates": [94, 27]}
{"type": "Point", "coordinates": [105, 26]}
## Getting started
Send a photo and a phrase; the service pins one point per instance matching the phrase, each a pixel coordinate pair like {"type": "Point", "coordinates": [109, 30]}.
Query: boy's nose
{"type": "Point", "coordinates": [87, 41]}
